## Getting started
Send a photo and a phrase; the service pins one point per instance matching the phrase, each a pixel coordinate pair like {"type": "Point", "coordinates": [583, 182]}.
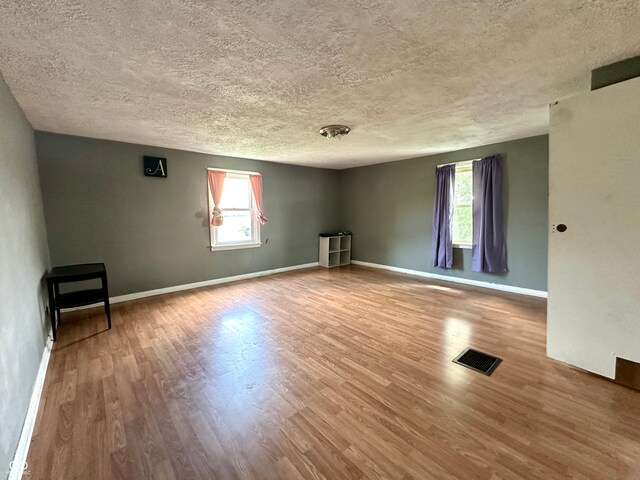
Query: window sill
{"type": "Point", "coordinates": [239, 246]}
{"type": "Point", "coordinates": [465, 246]}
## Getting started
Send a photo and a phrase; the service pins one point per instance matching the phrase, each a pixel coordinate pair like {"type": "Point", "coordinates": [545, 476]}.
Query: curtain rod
{"type": "Point", "coordinates": [244, 172]}
{"type": "Point", "coordinates": [455, 163]}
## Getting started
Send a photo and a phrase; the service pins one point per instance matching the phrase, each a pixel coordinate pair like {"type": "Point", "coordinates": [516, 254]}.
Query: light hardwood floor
{"type": "Point", "coordinates": [325, 374]}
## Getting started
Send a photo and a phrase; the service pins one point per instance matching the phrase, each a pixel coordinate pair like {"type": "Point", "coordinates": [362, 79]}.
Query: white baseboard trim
{"type": "Point", "coordinates": [205, 283]}
{"type": "Point", "coordinates": [465, 281]}
{"type": "Point", "coordinates": [18, 466]}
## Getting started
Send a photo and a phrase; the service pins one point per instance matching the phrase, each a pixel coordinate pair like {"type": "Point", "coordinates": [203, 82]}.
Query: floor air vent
{"type": "Point", "coordinates": [478, 361]}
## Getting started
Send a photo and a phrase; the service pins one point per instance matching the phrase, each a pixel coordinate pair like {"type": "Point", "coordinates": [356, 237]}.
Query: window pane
{"type": "Point", "coordinates": [236, 227]}
{"type": "Point", "coordinates": [464, 187]}
{"type": "Point", "coordinates": [462, 225]}
{"type": "Point", "coordinates": [235, 192]}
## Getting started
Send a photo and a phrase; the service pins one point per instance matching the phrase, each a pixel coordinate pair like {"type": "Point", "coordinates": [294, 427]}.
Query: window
{"type": "Point", "coordinates": [463, 206]}
{"type": "Point", "coordinates": [240, 228]}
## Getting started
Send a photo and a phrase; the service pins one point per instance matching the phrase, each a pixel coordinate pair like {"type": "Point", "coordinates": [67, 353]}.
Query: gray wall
{"type": "Point", "coordinates": [23, 262]}
{"type": "Point", "coordinates": [153, 232]}
{"type": "Point", "coordinates": [389, 208]}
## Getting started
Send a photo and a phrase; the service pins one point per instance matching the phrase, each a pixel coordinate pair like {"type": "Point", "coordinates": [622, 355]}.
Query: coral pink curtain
{"type": "Point", "coordinates": [256, 186]}
{"type": "Point", "coordinates": [216, 182]}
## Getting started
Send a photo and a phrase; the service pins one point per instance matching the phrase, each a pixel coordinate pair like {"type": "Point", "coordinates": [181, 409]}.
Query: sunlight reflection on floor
{"type": "Point", "coordinates": [458, 335]}
{"type": "Point", "coordinates": [244, 365]}
{"type": "Point", "coordinates": [444, 289]}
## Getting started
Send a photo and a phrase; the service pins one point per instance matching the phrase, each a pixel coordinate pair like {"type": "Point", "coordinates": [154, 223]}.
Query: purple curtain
{"type": "Point", "coordinates": [442, 248]}
{"type": "Point", "coordinates": [489, 251]}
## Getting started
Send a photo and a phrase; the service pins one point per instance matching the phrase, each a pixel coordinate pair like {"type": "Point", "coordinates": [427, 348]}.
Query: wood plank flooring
{"type": "Point", "coordinates": [325, 374]}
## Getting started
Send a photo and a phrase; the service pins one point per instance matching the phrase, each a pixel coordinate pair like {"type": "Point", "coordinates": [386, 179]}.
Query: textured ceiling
{"type": "Point", "coordinates": [257, 79]}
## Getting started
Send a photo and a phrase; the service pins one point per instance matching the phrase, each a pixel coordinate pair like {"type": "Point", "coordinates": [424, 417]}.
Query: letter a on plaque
{"type": "Point", "coordinates": [155, 167]}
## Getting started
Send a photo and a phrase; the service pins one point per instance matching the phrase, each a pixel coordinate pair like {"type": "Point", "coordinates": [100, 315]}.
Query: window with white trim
{"type": "Point", "coordinates": [240, 227]}
{"type": "Point", "coordinates": [463, 205]}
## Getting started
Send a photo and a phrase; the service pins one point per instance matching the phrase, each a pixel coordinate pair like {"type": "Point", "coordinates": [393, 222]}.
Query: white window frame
{"type": "Point", "coordinates": [254, 242]}
{"type": "Point", "coordinates": [463, 165]}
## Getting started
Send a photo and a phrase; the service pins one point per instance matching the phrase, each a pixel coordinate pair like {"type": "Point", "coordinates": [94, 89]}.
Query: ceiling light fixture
{"type": "Point", "coordinates": [334, 131]}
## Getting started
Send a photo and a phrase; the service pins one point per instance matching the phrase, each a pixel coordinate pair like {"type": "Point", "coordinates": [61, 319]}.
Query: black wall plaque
{"type": "Point", "coordinates": [155, 167]}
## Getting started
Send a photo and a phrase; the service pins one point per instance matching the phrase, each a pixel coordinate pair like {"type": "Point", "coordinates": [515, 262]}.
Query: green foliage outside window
{"type": "Point", "coordinates": [462, 212]}
{"type": "Point", "coordinates": [462, 225]}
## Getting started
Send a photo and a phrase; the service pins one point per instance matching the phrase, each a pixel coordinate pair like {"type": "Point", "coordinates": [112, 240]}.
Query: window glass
{"type": "Point", "coordinates": [463, 205]}
{"type": "Point", "coordinates": [236, 227]}
{"type": "Point", "coordinates": [235, 193]}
